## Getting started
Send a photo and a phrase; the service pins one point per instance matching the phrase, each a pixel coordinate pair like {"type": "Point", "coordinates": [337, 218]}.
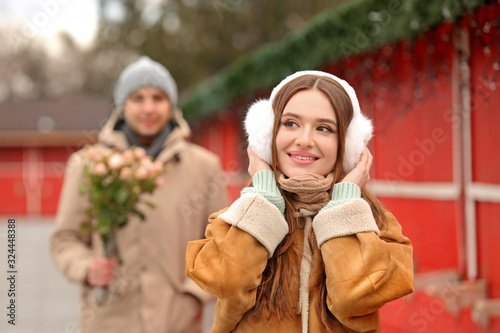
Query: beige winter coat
{"type": "Point", "coordinates": [150, 292]}
{"type": "Point", "coordinates": [365, 266]}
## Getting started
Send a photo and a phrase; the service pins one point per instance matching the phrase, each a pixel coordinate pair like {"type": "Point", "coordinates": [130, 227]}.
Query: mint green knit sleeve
{"type": "Point", "coordinates": [264, 183]}
{"type": "Point", "coordinates": [342, 193]}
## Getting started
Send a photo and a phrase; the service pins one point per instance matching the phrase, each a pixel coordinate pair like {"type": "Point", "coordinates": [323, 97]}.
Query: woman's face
{"type": "Point", "coordinates": [307, 138]}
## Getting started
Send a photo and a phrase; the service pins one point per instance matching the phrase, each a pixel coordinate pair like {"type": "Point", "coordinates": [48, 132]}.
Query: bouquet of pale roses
{"type": "Point", "coordinates": [113, 184]}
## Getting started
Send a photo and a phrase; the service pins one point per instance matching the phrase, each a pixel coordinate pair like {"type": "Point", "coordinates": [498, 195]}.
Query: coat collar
{"type": "Point", "coordinates": [112, 137]}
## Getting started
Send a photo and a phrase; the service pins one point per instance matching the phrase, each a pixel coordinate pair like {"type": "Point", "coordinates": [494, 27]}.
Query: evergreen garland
{"type": "Point", "coordinates": [353, 28]}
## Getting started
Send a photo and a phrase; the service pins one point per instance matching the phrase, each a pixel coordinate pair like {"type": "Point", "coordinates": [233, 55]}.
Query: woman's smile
{"type": "Point", "coordinates": [302, 157]}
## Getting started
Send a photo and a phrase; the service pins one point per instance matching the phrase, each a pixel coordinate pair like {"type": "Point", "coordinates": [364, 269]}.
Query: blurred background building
{"type": "Point", "coordinates": [426, 73]}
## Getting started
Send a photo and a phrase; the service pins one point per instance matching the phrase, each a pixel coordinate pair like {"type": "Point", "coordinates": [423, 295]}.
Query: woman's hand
{"type": "Point", "coordinates": [360, 175]}
{"type": "Point", "coordinates": [255, 163]}
{"type": "Point", "coordinates": [101, 271]}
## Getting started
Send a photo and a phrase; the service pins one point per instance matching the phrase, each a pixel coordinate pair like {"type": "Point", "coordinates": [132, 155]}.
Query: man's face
{"type": "Point", "coordinates": [147, 110]}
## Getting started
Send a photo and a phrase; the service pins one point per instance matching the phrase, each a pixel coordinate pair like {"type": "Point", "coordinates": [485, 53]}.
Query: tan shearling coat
{"type": "Point", "coordinates": [150, 292]}
{"type": "Point", "coordinates": [365, 266]}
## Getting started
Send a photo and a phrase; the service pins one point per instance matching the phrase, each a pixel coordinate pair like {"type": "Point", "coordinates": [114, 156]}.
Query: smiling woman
{"type": "Point", "coordinates": [301, 247]}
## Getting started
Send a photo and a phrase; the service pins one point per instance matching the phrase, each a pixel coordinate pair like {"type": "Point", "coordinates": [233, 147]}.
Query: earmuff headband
{"type": "Point", "coordinates": [259, 123]}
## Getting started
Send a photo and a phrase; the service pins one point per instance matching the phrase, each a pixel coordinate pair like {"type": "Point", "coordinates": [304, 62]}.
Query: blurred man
{"type": "Point", "coordinates": [149, 291]}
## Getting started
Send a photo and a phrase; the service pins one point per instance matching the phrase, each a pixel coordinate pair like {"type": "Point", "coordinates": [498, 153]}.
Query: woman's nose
{"type": "Point", "coordinates": [304, 139]}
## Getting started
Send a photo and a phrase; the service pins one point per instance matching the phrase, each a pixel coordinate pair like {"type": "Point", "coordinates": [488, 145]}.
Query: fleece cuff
{"type": "Point", "coordinates": [350, 218]}
{"type": "Point", "coordinates": [264, 183]}
{"type": "Point", "coordinates": [258, 217]}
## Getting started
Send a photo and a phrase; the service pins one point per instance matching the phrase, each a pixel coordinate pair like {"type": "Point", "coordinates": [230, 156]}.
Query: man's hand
{"type": "Point", "coordinates": [101, 271]}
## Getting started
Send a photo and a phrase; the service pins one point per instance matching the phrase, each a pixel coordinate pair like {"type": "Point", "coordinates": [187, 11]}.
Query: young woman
{"type": "Point", "coordinates": [306, 248]}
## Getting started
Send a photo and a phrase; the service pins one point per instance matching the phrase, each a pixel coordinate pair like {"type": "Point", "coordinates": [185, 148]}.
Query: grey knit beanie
{"type": "Point", "coordinates": [144, 73]}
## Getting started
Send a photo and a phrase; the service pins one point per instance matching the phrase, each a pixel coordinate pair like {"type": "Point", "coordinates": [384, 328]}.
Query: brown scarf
{"type": "Point", "coordinates": [308, 191]}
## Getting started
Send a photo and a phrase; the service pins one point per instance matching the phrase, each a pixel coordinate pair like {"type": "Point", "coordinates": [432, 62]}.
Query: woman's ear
{"type": "Point", "coordinates": [259, 123]}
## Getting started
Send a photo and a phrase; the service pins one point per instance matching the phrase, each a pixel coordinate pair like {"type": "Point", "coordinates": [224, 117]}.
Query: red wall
{"type": "Point", "coordinates": [31, 179]}
{"type": "Point", "coordinates": [485, 123]}
{"type": "Point", "coordinates": [222, 135]}
{"type": "Point", "coordinates": [13, 194]}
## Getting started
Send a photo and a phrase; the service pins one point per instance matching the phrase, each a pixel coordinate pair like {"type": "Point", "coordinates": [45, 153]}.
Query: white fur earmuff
{"type": "Point", "coordinates": [259, 123]}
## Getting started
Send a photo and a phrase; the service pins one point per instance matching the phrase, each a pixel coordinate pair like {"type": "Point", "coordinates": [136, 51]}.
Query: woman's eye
{"type": "Point", "coordinates": [325, 129]}
{"type": "Point", "coordinates": [289, 123]}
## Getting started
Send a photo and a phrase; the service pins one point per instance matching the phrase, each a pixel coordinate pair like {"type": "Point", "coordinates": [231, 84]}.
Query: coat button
{"type": "Point", "coordinates": [299, 307]}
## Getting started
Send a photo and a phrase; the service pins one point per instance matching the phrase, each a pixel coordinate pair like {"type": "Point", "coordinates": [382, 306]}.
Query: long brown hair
{"type": "Point", "coordinates": [282, 268]}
